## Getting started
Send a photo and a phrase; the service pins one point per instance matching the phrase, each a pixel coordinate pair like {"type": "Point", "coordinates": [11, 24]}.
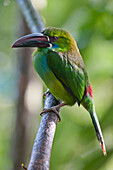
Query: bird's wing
{"type": "Point", "coordinates": [70, 75]}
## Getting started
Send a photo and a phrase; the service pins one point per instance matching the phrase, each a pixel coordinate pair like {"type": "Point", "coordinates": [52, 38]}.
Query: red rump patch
{"type": "Point", "coordinates": [89, 91]}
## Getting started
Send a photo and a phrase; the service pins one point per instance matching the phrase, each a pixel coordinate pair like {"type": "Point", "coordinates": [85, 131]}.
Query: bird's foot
{"type": "Point", "coordinates": [54, 109]}
{"type": "Point", "coordinates": [47, 92]}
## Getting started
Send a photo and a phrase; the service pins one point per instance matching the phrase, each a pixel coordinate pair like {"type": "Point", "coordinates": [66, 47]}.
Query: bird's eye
{"type": "Point", "coordinates": [53, 39]}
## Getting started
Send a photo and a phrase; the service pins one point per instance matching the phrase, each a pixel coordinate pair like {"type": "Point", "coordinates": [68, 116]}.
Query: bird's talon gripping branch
{"type": "Point", "coordinates": [43, 111]}
{"type": "Point", "coordinates": [52, 109]}
{"type": "Point", "coordinates": [44, 95]}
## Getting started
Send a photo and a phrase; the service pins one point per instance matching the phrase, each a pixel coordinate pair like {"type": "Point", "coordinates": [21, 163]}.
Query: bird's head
{"type": "Point", "coordinates": [57, 39]}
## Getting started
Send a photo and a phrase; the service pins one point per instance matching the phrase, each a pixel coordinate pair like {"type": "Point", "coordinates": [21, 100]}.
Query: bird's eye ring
{"type": "Point", "coordinates": [53, 39]}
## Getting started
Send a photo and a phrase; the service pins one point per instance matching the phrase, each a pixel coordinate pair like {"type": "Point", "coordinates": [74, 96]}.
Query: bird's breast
{"type": "Point", "coordinates": [49, 78]}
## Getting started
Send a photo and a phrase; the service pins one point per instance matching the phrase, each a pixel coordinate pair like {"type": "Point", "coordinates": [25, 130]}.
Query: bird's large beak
{"type": "Point", "coordinates": [33, 40]}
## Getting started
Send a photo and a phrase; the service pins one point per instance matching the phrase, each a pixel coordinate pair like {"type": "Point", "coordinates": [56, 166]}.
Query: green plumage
{"type": "Point", "coordinates": [65, 76]}
{"type": "Point", "coordinates": [40, 62]}
{"type": "Point", "coordinates": [65, 81]}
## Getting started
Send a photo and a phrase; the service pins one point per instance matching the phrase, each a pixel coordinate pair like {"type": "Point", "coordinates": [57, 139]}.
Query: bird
{"type": "Point", "coordinates": [59, 63]}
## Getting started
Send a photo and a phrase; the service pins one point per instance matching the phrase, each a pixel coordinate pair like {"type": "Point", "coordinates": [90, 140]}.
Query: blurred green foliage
{"type": "Point", "coordinates": [75, 145]}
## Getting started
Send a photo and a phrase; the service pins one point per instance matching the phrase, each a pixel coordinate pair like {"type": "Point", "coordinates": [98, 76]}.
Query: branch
{"type": "Point", "coordinates": [32, 17]}
{"type": "Point", "coordinates": [40, 158]}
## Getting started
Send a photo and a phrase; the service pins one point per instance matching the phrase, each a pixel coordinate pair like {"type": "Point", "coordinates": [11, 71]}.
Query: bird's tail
{"type": "Point", "coordinates": [98, 129]}
{"type": "Point", "coordinates": [89, 105]}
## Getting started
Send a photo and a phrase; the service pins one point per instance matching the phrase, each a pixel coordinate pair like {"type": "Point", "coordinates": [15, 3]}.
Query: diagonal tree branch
{"type": "Point", "coordinates": [40, 158]}
{"type": "Point", "coordinates": [32, 17]}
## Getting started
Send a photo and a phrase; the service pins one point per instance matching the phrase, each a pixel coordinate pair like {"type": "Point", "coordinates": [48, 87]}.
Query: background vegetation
{"type": "Point", "coordinates": [75, 145]}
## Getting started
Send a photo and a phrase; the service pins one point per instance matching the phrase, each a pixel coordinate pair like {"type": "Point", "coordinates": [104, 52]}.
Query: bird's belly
{"type": "Point", "coordinates": [54, 85]}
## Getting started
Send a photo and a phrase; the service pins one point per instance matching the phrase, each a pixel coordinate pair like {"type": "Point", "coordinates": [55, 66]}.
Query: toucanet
{"type": "Point", "coordinates": [60, 65]}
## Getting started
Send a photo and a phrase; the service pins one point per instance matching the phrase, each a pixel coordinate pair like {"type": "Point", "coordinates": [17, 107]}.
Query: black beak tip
{"type": "Point", "coordinates": [12, 46]}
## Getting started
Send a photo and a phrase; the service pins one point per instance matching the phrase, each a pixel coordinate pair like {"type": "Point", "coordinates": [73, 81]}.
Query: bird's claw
{"type": "Point", "coordinates": [53, 110]}
{"type": "Point", "coordinates": [44, 95]}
